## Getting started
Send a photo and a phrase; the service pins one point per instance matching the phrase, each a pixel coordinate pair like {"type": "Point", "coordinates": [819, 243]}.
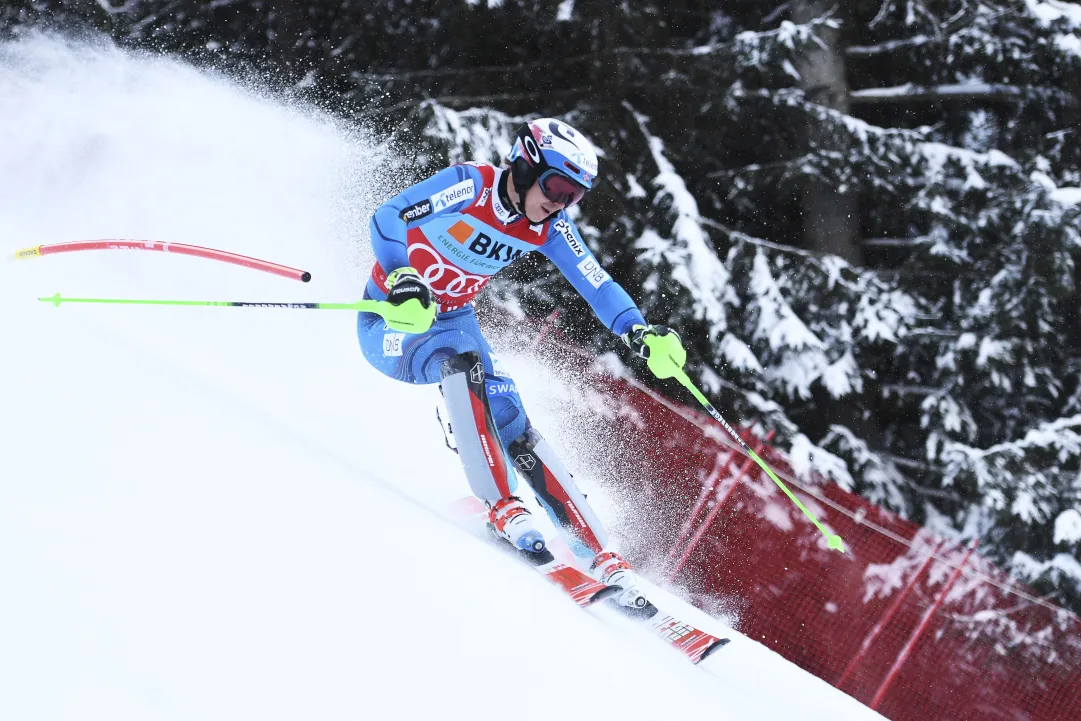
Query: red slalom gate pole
{"type": "Point", "coordinates": [888, 615]}
{"type": "Point", "coordinates": [708, 520]}
{"type": "Point", "coordinates": [703, 495]}
{"type": "Point", "coordinates": [163, 247]}
{"type": "Point", "coordinates": [924, 623]}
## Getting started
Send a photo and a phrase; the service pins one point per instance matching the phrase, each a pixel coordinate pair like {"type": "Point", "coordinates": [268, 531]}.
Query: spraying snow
{"type": "Point", "coordinates": [225, 513]}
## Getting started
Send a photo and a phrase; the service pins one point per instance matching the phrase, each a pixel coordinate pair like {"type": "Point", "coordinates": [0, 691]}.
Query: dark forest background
{"type": "Point", "coordinates": [862, 215]}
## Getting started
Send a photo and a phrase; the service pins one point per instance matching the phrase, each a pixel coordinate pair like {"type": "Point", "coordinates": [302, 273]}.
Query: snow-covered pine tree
{"type": "Point", "coordinates": [989, 251]}
{"type": "Point", "coordinates": [955, 334]}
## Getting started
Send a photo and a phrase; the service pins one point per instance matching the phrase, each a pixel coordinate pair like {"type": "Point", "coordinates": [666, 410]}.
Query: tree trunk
{"type": "Point", "coordinates": [607, 71]}
{"type": "Point", "coordinates": [830, 218]}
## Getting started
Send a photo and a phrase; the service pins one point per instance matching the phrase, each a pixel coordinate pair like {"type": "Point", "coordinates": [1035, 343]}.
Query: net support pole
{"type": "Point", "coordinates": [549, 324]}
{"type": "Point", "coordinates": [700, 532]}
{"type": "Point", "coordinates": [888, 615]}
{"type": "Point", "coordinates": [719, 470]}
{"type": "Point", "coordinates": [924, 623]}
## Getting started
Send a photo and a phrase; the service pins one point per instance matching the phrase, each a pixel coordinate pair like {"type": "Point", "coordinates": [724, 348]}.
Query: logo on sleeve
{"type": "Point", "coordinates": [454, 194]}
{"type": "Point", "coordinates": [417, 211]}
{"type": "Point", "coordinates": [567, 232]}
{"type": "Point", "coordinates": [593, 272]}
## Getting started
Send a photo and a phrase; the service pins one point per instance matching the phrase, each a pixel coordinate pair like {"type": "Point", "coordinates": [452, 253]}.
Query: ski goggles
{"type": "Point", "coordinates": [558, 188]}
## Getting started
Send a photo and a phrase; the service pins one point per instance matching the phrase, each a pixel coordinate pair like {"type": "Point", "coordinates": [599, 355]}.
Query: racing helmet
{"type": "Point", "coordinates": [557, 156]}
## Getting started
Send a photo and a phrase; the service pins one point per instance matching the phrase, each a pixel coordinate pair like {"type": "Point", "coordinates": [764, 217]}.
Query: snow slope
{"type": "Point", "coordinates": [223, 513]}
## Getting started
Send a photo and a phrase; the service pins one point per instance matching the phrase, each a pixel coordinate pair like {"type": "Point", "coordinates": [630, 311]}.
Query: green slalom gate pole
{"type": "Point", "coordinates": [832, 539]}
{"type": "Point", "coordinates": [409, 317]}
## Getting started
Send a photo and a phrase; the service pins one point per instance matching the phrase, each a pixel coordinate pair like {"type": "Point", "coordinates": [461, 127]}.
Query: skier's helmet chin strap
{"type": "Point", "coordinates": [523, 175]}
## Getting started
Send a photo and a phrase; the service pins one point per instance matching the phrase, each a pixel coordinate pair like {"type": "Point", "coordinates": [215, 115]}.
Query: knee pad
{"type": "Point", "coordinates": [467, 362]}
{"type": "Point", "coordinates": [506, 406]}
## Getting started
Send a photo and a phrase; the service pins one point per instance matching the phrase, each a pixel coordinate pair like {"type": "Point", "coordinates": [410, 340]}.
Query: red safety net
{"type": "Point", "coordinates": [906, 622]}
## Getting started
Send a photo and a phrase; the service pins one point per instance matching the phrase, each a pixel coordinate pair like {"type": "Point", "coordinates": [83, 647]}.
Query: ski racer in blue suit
{"type": "Point", "coordinates": [439, 242]}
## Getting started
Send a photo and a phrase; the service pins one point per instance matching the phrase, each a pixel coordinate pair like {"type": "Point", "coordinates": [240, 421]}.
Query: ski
{"type": "Point", "coordinates": [692, 642]}
{"type": "Point", "coordinates": [582, 589]}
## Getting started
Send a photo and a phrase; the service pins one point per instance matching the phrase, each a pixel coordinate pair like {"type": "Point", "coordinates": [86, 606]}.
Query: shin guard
{"type": "Point", "coordinates": [559, 494]}
{"type": "Point", "coordinates": [475, 432]}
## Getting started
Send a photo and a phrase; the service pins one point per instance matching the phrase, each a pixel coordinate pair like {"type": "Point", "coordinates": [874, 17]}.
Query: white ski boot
{"type": "Point", "coordinates": [513, 522]}
{"type": "Point", "coordinates": [610, 569]}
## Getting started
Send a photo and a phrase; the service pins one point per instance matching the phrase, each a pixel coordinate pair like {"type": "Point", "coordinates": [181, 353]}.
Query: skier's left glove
{"type": "Point", "coordinates": [660, 346]}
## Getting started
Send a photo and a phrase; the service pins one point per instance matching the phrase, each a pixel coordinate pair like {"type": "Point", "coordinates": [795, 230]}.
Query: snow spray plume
{"type": "Point", "coordinates": [408, 317]}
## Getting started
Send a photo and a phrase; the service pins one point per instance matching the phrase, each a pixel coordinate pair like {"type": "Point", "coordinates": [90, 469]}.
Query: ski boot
{"type": "Point", "coordinates": [610, 569]}
{"type": "Point", "coordinates": [513, 522]}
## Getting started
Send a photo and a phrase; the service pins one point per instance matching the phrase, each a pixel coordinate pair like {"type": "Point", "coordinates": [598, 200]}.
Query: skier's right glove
{"type": "Point", "coordinates": [409, 308]}
{"type": "Point", "coordinates": [660, 346]}
{"type": "Point", "coordinates": [404, 284]}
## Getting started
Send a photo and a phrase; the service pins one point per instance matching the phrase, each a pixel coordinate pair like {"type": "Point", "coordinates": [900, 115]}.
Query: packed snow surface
{"type": "Point", "coordinates": [218, 513]}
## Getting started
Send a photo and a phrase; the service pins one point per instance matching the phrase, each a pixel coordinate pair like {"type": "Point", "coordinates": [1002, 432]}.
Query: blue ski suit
{"type": "Point", "coordinates": [457, 229]}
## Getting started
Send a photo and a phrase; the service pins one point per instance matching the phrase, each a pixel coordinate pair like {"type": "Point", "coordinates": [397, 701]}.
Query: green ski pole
{"type": "Point", "coordinates": [832, 539]}
{"type": "Point", "coordinates": [666, 358]}
{"type": "Point", "coordinates": [409, 317]}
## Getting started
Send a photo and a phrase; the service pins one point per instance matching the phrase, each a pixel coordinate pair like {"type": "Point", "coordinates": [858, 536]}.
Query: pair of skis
{"type": "Point", "coordinates": [694, 643]}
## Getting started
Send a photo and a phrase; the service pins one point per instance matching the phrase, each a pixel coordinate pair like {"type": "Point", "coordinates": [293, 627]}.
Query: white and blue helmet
{"type": "Point", "coordinates": [547, 146]}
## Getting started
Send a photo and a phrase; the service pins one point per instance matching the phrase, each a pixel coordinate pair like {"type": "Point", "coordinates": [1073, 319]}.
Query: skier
{"type": "Point", "coordinates": [439, 242]}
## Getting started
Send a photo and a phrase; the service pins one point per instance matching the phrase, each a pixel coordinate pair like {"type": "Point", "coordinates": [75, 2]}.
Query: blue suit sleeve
{"type": "Point", "coordinates": [565, 247]}
{"type": "Point", "coordinates": [448, 191]}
